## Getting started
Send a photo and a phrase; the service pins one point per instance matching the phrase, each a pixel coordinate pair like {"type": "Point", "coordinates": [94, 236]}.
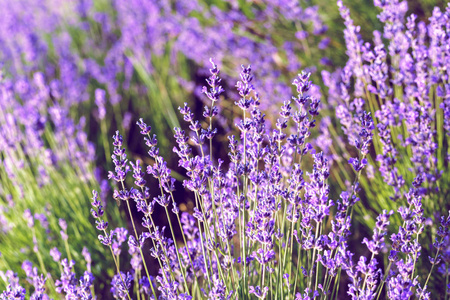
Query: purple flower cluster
{"type": "Point", "coordinates": [254, 213]}
{"type": "Point", "coordinates": [68, 285]}
{"type": "Point", "coordinates": [404, 85]}
{"type": "Point", "coordinates": [401, 78]}
{"type": "Point", "coordinates": [256, 219]}
{"type": "Point", "coordinates": [24, 132]}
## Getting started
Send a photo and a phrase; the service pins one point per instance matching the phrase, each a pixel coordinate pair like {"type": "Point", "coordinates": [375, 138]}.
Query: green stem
{"type": "Point", "coordinates": [66, 245]}
{"type": "Point", "coordinates": [176, 250]}
{"type": "Point", "coordinates": [105, 142]}
{"type": "Point", "coordinates": [446, 280]}
{"type": "Point", "coordinates": [380, 289]}
{"type": "Point", "coordinates": [431, 271]}
{"type": "Point", "coordinates": [117, 266]}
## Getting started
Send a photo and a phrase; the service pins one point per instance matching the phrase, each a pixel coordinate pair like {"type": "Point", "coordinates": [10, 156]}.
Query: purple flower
{"type": "Point", "coordinates": [214, 83]}
{"type": "Point", "coordinates": [55, 254]}
{"type": "Point", "coordinates": [100, 101]}
{"type": "Point", "coordinates": [145, 130]}
{"type": "Point", "coordinates": [120, 285]}
{"type": "Point", "coordinates": [377, 242]}
{"type": "Point", "coordinates": [29, 218]}
{"type": "Point", "coordinates": [258, 292]}
{"type": "Point", "coordinates": [87, 258]}
{"type": "Point", "coordinates": [119, 159]}
{"type": "Point", "coordinates": [120, 237]}
{"type": "Point", "coordinates": [356, 164]}
{"type": "Point", "coordinates": [62, 223]}
{"type": "Point", "coordinates": [13, 292]}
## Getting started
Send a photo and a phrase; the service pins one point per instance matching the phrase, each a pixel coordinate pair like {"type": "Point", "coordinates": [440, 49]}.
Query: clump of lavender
{"type": "Point", "coordinates": [46, 173]}
{"type": "Point", "coordinates": [259, 229]}
{"type": "Point", "coordinates": [404, 85]}
{"type": "Point", "coordinates": [39, 281]}
{"type": "Point", "coordinates": [401, 78]}
{"type": "Point", "coordinates": [54, 69]}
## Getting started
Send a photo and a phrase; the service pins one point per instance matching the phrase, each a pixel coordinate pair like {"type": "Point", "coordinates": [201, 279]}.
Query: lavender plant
{"type": "Point", "coordinates": [260, 229]}
{"type": "Point", "coordinates": [73, 57]}
{"type": "Point", "coordinates": [46, 172]}
{"type": "Point", "coordinates": [401, 78]}
{"type": "Point", "coordinates": [404, 85]}
{"type": "Point", "coordinates": [90, 69]}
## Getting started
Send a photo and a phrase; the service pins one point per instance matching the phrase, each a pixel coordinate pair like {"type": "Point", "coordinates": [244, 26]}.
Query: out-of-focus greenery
{"type": "Point", "coordinates": [66, 194]}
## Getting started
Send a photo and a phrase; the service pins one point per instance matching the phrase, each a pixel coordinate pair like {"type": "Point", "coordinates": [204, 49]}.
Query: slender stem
{"type": "Point", "coordinates": [176, 250]}
{"type": "Point", "coordinates": [244, 190]}
{"type": "Point", "coordinates": [446, 280]}
{"type": "Point", "coordinates": [384, 280]}
{"type": "Point", "coordinates": [117, 266]}
{"type": "Point", "coordinates": [299, 261]}
{"type": "Point", "coordinates": [326, 284]}
{"type": "Point", "coordinates": [184, 237]}
{"type": "Point", "coordinates": [415, 258]}
{"type": "Point", "coordinates": [41, 262]}
{"type": "Point", "coordinates": [66, 245]}
{"type": "Point", "coordinates": [136, 286]}
{"type": "Point", "coordinates": [313, 256]}
{"type": "Point", "coordinates": [263, 268]}
{"type": "Point", "coordinates": [292, 238]}
{"type": "Point", "coordinates": [201, 241]}
{"type": "Point", "coordinates": [336, 284]}
{"type": "Point", "coordinates": [105, 141]}
{"type": "Point", "coordinates": [365, 277]}
{"type": "Point", "coordinates": [431, 271]}
{"type": "Point", "coordinates": [317, 264]}
{"type": "Point", "coordinates": [137, 240]}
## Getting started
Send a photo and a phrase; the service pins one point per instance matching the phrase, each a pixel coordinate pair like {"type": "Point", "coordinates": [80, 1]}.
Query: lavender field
{"type": "Point", "coordinates": [224, 149]}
